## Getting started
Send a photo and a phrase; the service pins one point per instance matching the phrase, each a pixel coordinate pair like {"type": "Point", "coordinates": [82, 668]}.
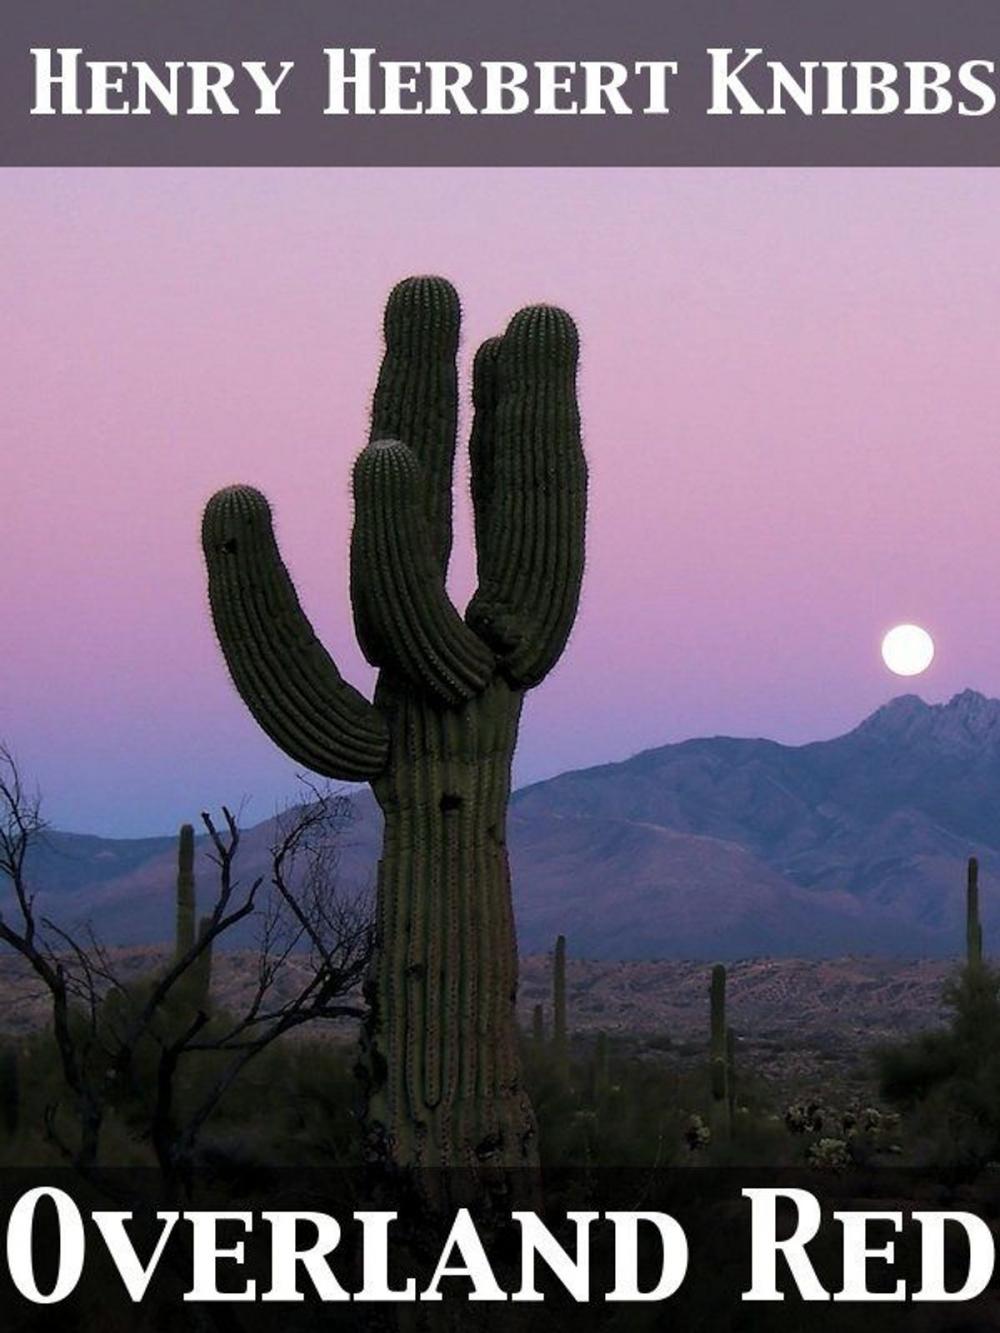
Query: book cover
{"type": "Point", "coordinates": [500, 730]}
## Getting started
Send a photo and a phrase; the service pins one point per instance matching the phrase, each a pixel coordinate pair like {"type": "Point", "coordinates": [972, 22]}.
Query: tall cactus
{"type": "Point", "coordinates": [560, 1030]}
{"type": "Point", "coordinates": [198, 980]}
{"type": "Point", "coordinates": [185, 891]}
{"type": "Point", "coordinates": [720, 1107]}
{"type": "Point", "coordinates": [436, 744]}
{"type": "Point", "coordinates": [201, 978]}
{"type": "Point", "coordinates": [973, 926]}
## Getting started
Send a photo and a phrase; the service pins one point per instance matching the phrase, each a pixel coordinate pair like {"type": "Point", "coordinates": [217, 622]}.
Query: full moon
{"type": "Point", "coordinates": [907, 650]}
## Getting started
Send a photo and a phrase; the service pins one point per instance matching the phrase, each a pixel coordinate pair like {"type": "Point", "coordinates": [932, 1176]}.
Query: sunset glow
{"type": "Point", "coordinates": [787, 378]}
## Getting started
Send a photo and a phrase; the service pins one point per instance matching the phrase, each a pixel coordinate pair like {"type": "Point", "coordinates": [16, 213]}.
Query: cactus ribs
{"type": "Point", "coordinates": [440, 1045]}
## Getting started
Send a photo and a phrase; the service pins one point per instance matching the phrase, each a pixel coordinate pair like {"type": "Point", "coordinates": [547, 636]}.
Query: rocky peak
{"type": "Point", "coordinates": [971, 716]}
{"type": "Point", "coordinates": [896, 718]}
{"type": "Point", "coordinates": [969, 720]}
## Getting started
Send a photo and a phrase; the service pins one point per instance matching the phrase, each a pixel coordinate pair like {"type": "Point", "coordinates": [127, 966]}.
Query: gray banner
{"type": "Point", "coordinates": [940, 110]}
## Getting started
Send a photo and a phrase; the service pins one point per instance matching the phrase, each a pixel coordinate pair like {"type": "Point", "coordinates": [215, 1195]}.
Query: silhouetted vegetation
{"type": "Point", "coordinates": [132, 1071]}
{"type": "Point", "coordinates": [947, 1082]}
{"type": "Point", "coordinates": [440, 1045]}
{"type": "Point", "coordinates": [154, 1070]}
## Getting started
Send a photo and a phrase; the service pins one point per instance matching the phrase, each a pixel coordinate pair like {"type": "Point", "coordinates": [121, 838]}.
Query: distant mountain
{"type": "Point", "coordinates": [709, 848]}
{"type": "Point", "coordinates": [124, 888]}
{"type": "Point", "coordinates": [874, 826]}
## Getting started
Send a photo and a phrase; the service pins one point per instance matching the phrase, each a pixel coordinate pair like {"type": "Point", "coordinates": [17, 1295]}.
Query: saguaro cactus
{"type": "Point", "coordinates": [185, 891]}
{"type": "Point", "coordinates": [720, 1055]}
{"type": "Point", "coordinates": [436, 743]}
{"type": "Point", "coordinates": [197, 982]}
{"type": "Point", "coordinates": [973, 926]}
{"type": "Point", "coordinates": [560, 1030]}
{"type": "Point", "coordinates": [201, 970]}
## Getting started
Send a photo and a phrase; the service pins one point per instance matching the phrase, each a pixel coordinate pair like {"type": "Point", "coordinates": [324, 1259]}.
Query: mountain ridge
{"type": "Point", "coordinates": [887, 812]}
{"type": "Point", "coordinates": [709, 847]}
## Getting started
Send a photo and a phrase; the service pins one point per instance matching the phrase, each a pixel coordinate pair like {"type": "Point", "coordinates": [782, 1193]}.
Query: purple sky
{"type": "Point", "coordinates": [791, 393]}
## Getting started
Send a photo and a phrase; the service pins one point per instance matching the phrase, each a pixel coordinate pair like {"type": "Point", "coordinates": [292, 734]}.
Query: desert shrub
{"type": "Point", "coordinates": [632, 1116]}
{"type": "Point", "coordinates": [296, 1102]}
{"type": "Point", "coordinates": [307, 1100]}
{"type": "Point", "coordinates": [909, 1072]}
{"type": "Point", "coordinates": [948, 1081]}
{"type": "Point", "coordinates": [646, 1111]}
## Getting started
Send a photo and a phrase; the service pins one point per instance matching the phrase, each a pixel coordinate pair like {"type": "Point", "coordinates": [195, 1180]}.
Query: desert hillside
{"type": "Point", "coordinates": [798, 1022]}
{"type": "Point", "coordinates": [713, 848]}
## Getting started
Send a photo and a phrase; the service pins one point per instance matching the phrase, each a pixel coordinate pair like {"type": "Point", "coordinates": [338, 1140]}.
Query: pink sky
{"type": "Point", "coordinates": [791, 391]}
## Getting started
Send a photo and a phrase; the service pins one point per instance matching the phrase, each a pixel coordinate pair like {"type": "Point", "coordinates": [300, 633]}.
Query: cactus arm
{"type": "Point", "coordinates": [530, 492]}
{"type": "Point", "coordinates": [416, 399]}
{"type": "Point", "coordinates": [491, 617]}
{"type": "Point", "coordinates": [285, 675]}
{"type": "Point", "coordinates": [404, 619]}
{"type": "Point", "coordinates": [482, 442]}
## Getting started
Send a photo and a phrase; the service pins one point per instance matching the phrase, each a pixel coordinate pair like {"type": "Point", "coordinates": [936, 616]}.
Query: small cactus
{"type": "Point", "coordinates": [720, 1106]}
{"type": "Point", "coordinates": [973, 926]}
{"type": "Point", "coordinates": [807, 1117]}
{"type": "Point", "coordinates": [184, 939]}
{"type": "Point", "coordinates": [197, 980]}
{"type": "Point", "coordinates": [560, 1034]}
{"type": "Point", "coordinates": [829, 1154]}
{"type": "Point", "coordinates": [696, 1133]}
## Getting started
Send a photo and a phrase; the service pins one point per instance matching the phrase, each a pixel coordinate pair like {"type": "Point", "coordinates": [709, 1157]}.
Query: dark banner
{"type": "Point", "coordinates": [695, 1248]}
{"type": "Point", "coordinates": [539, 83]}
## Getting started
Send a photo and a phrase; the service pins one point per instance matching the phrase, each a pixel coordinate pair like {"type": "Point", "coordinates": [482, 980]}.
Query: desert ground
{"type": "Point", "coordinates": [801, 1024]}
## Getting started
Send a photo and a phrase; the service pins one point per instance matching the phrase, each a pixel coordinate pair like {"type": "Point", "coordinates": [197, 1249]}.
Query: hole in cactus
{"type": "Point", "coordinates": [450, 802]}
{"type": "Point", "coordinates": [492, 1144]}
{"type": "Point", "coordinates": [229, 547]}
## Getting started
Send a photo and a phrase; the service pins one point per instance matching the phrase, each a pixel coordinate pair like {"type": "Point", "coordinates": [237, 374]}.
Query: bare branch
{"type": "Point", "coordinates": [314, 947]}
